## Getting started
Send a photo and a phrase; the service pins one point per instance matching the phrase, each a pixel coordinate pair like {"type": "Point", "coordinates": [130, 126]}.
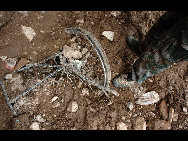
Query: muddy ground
{"type": "Point", "coordinates": [49, 104]}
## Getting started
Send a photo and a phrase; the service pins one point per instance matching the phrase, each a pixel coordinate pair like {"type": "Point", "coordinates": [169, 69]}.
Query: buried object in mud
{"type": "Point", "coordinates": [70, 67]}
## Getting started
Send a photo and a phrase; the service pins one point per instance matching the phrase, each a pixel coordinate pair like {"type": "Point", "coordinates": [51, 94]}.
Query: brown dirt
{"type": "Point", "coordinates": [94, 111]}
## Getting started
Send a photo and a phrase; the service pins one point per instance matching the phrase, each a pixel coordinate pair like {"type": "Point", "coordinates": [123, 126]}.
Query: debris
{"type": "Point", "coordinates": [163, 109]}
{"type": "Point", "coordinates": [73, 107]}
{"type": "Point", "coordinates": [162, 125]}
{"type": "Point", "coordinates": [185, 110]}
{"type": "Point", "coordinates": [115, 13]}
{"type": "Point", "coordinates": [79, 84]}
{"type": "Point", "coordinates": [186, 99]}
{"type": "Point", "coordinates": [35, 126]}
{"type": "Point", "coordinates": [139, 123]}
{"type": "Point", "coordinates": [130, 106]}
{"type": "Point", "coordinates": [80, 21]}
{"type": "Point", "coordinates": [148, 98]}
{"type": "Point", "coordinates": [55, 102]}
{"type": "Point", "coordinates": [29, 32]}
{"type": "Point", "coordinates": [25, 13]}
{"type": "Point", "coordinates": [121, 126]}
{"type": "Point", "coordinates": [85, 91]}
{"type": "Point", "coordinates": [98, 48]}
{"type": "Point", "coordinates": [39, 118]}
{"type": "Point", "coordinates": [21, 63]}
{"type": "Point", "coordinates": [8, 76]}
{"type": "Point", "coordinates": [175, 118]}
{"type": "Point", "coordinates": [10, 63]}
{"type": "Point", "coordinates": [17, 83]}
{"type": "Point", "coordinates": [171, 115]}
{"type": "Point", "coordinates": [69, 52]}
{"type": "Point", "coordinates": [54, 98]}
{"type": "Point", "coordinates": [108, 34]}
{"type": "Point", "coordinates": [84, 50]}
{"type": "Point", "coordinates": [3, 58]}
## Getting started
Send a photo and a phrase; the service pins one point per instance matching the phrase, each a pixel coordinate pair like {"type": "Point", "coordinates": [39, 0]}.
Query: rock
{"type": "Point", "coordinates": [109, 35]}
{"type": "Point", "coordinates": [121, 126]}
{"type": "Point", "coordinates": [162, 125]}
{"type": "Point", "coordinates": [54, 98]}
{"type": "Point", "coordinates": [175, 118]}
{"type": "Point", "coordinates": [139, 123]}
{"type": "Point", "coordinates": [3, 58]}
{"type": "Point", "coordinates": [28, 32]}
{"type": "Point", "coordinates": [73, 107]}
{"type": "Point", "coordinates": [8, 76]}
{"type": "Point", "coordinates": [186, 97]}
{"type": "Point", "coordinates": [185, 110]}
{"type": "Point", "coordinates": [115, 13]}
{"type": "Point", "coordinates": [21, 63]}
{"type": "Point", "coordinates": [130, 106]}
{"type": "Point", "coordinates": [35, 126]}
{"type": "Point", "coordinates": [69, 52]}
{"type": "Point", "coordinates": [84, 50]}
{"type": "Point", "coordinates": [171, 115]}
{"type": "Point", "coordinates": [55, 102]}
{"type": "Point", "coordinates": [85, 91]}
{"type": "Point", "coordinates": [77, 54]}
{"type": "Point", "coordinates": [148, 98]}
{"type": "Point", "coordinates": [39, 118]}
{"type": "Point", "coordinates": [163, 109]}
{"type": "Point", "coordinates": [80, 21]}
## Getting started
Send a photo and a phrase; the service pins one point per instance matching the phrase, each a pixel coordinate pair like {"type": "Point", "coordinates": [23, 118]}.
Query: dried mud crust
{"type": "Point", "coordinates": [51, 100]}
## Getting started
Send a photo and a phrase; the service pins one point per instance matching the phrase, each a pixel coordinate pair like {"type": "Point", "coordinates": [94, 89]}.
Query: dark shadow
{"type": "Point", "coordinates": [163, 24]}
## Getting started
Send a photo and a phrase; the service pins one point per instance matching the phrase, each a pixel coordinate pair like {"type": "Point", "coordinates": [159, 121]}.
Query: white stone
{"type": "Point", "coordinates": [35, 126]}
{"type": "Point", "coordinates": [148, 98]}
{"type": "Point", "coordinates": [39, 118]}
{"type": "Point", "coordinates": [115, 13]}
{"type": "Point", "coordinates": [85, 91]}
{"type": "Point", "coordinates": [54, 98]}
{"type": "Point", "coordinates": [3, 58]}
{"type": "Point", "coordinates": [185, 110]}
{"type": "Point", "coordinates": [121, 126]}
{"type": "Point", "coordinates": [77, 54]}
{"type": "Point", "coordinates": [80, 21]}
{"type": "Point", "coordinates": [130, 105]}
{"type": "Point", "coordinates": [69, 52]}
{"type": "Point", "coordinates": [109, 35]}
{"type": "Point", "coordinates": [73, 107]}
{"type": "Point", "coordinates": [28, 32]}
{"type": "Point", "coordinates": [8, 76]}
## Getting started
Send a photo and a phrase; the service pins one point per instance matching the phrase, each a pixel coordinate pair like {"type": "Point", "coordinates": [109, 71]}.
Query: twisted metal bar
{"type": "Point", "coordinates": [7, 98]}
{"type": "Point", "coordinates": [28, 90]}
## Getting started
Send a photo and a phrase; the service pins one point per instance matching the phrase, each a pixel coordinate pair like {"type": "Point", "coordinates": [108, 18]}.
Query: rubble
{"type": "Point", "coordinates": [34, 126]}
{"type": "Point", "coordinates": [39, 118]}
{"type": "Point", "coordinates": [8, 76]}
{"type": "Point", "coordinates": [109, 35]}
{"type": "Point", "coordinates": [162, 125]}
{"type": "Point", "coordinates": [148, 98]}
{"type": "Point", "coordinates": [121, 126]}
{"type": "Point", "coordinates": [164, 109]}
{"type": "Point", "coordinates": [28, 32]}
{"type": "Point", "coordinates": [73, 107]}
{"type": "Point", "coordinates": [21, 63]}
{"type": "Point", "coordinates": [139, 123]}
{"type": "Point", "coordinates": [130, 106]}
